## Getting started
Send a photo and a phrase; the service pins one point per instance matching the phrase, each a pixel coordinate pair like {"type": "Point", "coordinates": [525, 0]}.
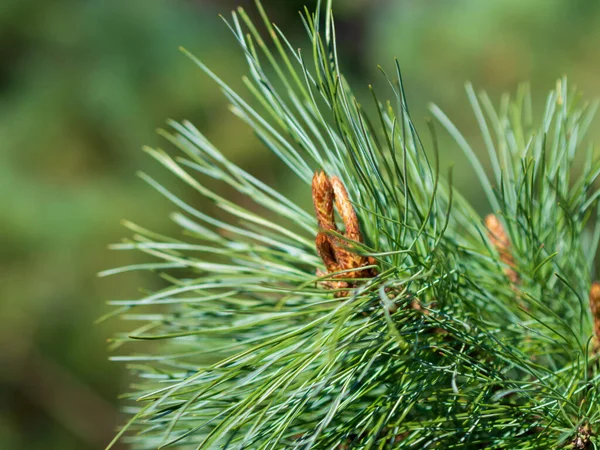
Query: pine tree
{"type": "Point", "coordinates": [392, 315]}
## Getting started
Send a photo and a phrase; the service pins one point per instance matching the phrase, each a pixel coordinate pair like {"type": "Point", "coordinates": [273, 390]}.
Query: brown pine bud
{"type": "Point", "coordinates": [346, 210]}
{"type": "Point", "coordinates": [322, 194]}
{"type": "Point", "coordinates": [325, 251]}
{"type": "Point", "coordinates": [352, 232]}
{"type": "Point", "coordinates": [497, 235]}
{"type": "Point", "coordinates": [595, 308]}
{"type": "Point", "coordinates": [334, 284]}
{"type": "Point", "coordinates": [323, 199]}
{"type": "Point", "coordinates": [334, 252]}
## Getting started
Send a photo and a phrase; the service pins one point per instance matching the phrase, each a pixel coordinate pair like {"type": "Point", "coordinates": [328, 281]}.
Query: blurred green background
{"type": "Point", "coordinates": [83, 84]}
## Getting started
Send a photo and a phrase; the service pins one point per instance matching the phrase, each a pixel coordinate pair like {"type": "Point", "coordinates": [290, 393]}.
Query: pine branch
{"type": "Point", "coordinates": [410, 321]}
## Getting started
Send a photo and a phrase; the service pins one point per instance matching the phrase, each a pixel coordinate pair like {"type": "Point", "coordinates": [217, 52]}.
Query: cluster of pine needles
{"type": "Point", "coordinates": [392, 315]}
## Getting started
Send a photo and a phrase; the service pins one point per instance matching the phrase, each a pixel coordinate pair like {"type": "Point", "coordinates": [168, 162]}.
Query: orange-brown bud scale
{"type": "Point", "coordinates": [595, 308]}
{"type": "Point", "coordinates": [499, 239]}
{"type": "Point", "coordinates": [326, 253]}
{"type": "Point", "coordinates": [346, 210]}
{"type": "Point", "coordinates": [322, 194]}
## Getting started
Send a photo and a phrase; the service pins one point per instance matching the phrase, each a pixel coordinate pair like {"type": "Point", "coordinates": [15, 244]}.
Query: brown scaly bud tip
{"type": "Point", "coordinates": [595, 308]}
{"type": "Point", "coordinates": [333, 250]}
{"type": "Point", "coordinates": [346, 210]}
{"type": "Point", "coordinates": [497, 235]}
{"type": "Point", "coordinates": [325, 251]}
{"type": "Point", "coordinates": [322, 195]}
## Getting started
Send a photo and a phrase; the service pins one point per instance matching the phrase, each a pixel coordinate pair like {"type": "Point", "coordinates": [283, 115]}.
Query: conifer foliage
{"type": "Point", "coordinates": [392, 315]}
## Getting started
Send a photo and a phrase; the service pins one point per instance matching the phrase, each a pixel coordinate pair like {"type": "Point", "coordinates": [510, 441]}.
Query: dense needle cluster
{"type": "Point", "coordinates": [431, 327]}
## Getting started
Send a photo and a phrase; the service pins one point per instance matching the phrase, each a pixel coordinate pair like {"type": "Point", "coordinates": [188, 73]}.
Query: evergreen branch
{"type": "Point", "coordinates": [430, 327]}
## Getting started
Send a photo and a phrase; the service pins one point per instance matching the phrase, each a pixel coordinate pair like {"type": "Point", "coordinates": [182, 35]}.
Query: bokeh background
{"type": "Point", "coordinates": [83, 84]}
